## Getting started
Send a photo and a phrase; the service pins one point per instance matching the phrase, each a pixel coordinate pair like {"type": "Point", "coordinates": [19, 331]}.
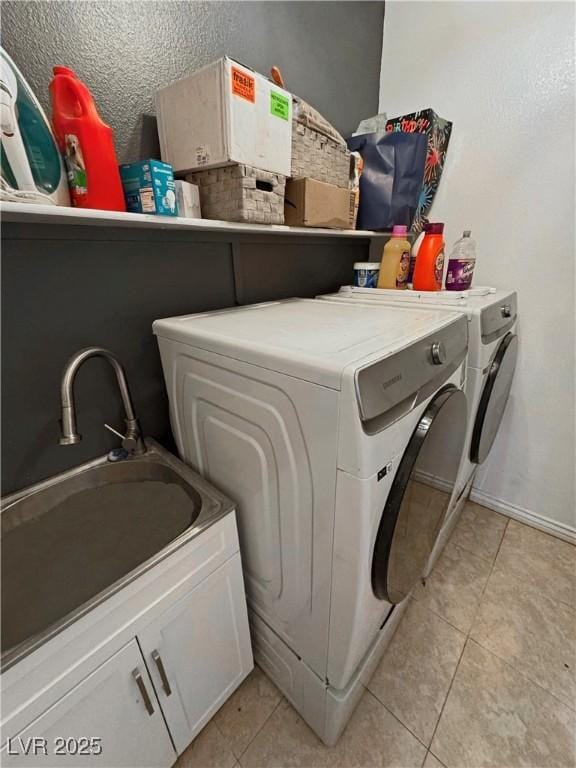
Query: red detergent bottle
{"type": "Point", "coordinates": [87, 144]}
{"type": "Point", "coordinates": [428, 271]}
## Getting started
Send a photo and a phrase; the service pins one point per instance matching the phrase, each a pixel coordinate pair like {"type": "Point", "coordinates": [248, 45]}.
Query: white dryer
{"type": "Point", "coordinates": [492, 352]}
{"type": "Point", "coordinates": [321, 420]}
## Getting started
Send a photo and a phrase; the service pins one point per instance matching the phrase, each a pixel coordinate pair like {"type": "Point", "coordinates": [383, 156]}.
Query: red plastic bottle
{"type": "Point", "coordinates": [430, 260]}
{"type": "Point", "coordinates": [87, 144]}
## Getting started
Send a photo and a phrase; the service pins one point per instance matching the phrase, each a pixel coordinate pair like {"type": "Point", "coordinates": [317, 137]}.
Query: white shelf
{"type": "Point", "coordinates": [24, 213]}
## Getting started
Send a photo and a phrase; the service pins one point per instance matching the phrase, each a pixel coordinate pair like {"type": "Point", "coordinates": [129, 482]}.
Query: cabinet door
{"type": "Point", "coordinates": [111, 718]}
{"type": "Point", "coordinates": [198, 651]}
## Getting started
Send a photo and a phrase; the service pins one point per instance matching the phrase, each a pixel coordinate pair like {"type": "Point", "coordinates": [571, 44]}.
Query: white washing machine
{"type": "Point", "coordinates": [320, 420]}
{"type": "Point", "coordinates": [492, 351]}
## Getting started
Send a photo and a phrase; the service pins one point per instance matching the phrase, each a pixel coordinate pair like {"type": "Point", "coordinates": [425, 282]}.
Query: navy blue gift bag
{"type": "Point", "coordinates": [392, 178]}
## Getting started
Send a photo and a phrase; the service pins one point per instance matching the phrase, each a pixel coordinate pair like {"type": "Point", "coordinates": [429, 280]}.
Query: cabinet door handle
{"type": "Point", "coordinates": [162, 672]}
{"type": "Point", "coordinates": [143, 692]}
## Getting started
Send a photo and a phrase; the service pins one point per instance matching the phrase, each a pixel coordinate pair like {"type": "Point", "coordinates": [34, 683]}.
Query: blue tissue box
{"type": "Point", "coordinates": [149, 187]}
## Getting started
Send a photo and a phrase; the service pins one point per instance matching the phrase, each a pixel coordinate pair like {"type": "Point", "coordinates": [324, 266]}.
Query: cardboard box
{"type": "Point", "coordinates": [149, 187]}
{"type": "Point", "coordinates": [225, 114]}
{"type": "Point", "coordinates": [311, 203]}
{"type": "Point", "coordinates": [188, 200]}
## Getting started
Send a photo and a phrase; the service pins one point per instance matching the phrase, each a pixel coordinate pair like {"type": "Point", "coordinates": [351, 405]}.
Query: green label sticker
{"type": "Point", "coordinates": [279, 105]}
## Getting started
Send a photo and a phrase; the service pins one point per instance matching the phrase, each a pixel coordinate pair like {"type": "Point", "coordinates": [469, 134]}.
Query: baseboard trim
{"type": "Point", "coordinates": [433, 480]}
{"type": "Point", "coordinates": [560, 530]}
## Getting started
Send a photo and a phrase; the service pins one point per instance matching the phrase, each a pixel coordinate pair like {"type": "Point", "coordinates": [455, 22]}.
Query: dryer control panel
{"type": "Point", "coordinates": [498, 317]}
{"type": "Point", "coordinates": [407, 377]}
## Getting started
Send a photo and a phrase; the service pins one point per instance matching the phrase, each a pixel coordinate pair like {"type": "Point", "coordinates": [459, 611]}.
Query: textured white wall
{"type": "Point", "coordinates": [504, 73]}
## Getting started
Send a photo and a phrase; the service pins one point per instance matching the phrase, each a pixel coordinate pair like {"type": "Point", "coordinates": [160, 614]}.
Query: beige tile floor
{"type": "Point", "coordinates": [481, 671]}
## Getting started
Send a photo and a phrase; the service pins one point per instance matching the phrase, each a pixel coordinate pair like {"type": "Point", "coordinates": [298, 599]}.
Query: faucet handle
{"type": "Point", "coordinates": [131, 441]}
{"type": "Point", "coordinates": [114, 431]}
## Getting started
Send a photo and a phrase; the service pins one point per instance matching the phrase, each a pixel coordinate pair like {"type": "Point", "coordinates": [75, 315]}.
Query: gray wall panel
{"type": "Point", "coordinates": [59, 296]}
{"type": "Point", "coordinates": [264, 273]}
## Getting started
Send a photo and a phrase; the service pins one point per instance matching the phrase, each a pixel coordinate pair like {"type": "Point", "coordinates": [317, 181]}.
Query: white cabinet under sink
{"type": "Point", "coordinates": [197, 652]}
{"type": "Point", "coordinates": [133, 682]}
{"type": "Point", "coordinates": [102, 720]}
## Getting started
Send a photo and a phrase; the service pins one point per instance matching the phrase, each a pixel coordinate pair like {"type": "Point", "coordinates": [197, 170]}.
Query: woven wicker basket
{"type": "Point", "coordinates": [318, 150]}
{"type": "Point", "coordinates": [241, 193]}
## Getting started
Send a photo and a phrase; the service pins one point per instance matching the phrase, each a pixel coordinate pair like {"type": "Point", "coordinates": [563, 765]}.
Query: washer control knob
{"type": "Point", "coordinates": [438, 352]}
{"type": "Point", "coordinates": [506, 310]}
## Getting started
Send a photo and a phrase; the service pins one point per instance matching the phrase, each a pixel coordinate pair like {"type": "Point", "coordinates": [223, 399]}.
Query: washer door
{"type": "Point", "coordinates": [493, 399]}
{"type": "Point", "coordinates": [419, 496]}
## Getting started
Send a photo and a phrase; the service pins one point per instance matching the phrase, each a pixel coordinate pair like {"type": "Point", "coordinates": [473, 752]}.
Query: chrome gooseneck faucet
{"type": "Point", "coordinates": [132, 441]}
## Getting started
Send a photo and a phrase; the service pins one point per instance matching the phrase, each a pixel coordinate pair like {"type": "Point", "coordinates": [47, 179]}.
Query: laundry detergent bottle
{"type": "Point", "coordinates": [429, 266]}
{"type": "Point", "coordinates": [461, 263]}
{"type": "Point", "coordinates": [87, 144]}
{"type": "Point", "coordinates": [395, 260]}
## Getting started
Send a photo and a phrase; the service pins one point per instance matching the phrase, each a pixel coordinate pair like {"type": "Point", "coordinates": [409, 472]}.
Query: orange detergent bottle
{"type": "Point", "coordinates": [87, 144]}
{"type": "Point", "coordinates": [430, 260]}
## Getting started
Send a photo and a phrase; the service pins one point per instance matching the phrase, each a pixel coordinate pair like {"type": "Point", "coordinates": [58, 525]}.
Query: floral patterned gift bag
{"type": "Point", "coordinates": [438, 132]}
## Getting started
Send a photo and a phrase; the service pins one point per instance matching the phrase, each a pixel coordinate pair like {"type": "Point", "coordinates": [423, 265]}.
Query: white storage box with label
{"type": "Point", "coordinates": [225, 114]}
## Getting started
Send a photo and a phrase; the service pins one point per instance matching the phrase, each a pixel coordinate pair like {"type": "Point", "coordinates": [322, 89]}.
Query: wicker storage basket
{"type": "Point", "coordinates": [241, 193]}
{"type": "Point", "coordinates": [316, 156]}
{"type": "Point", "coordinates": [318, 150]}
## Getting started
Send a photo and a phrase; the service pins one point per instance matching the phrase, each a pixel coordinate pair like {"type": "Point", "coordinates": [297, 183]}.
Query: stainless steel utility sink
{"type": "Point", "coordinates": [73, 540]}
